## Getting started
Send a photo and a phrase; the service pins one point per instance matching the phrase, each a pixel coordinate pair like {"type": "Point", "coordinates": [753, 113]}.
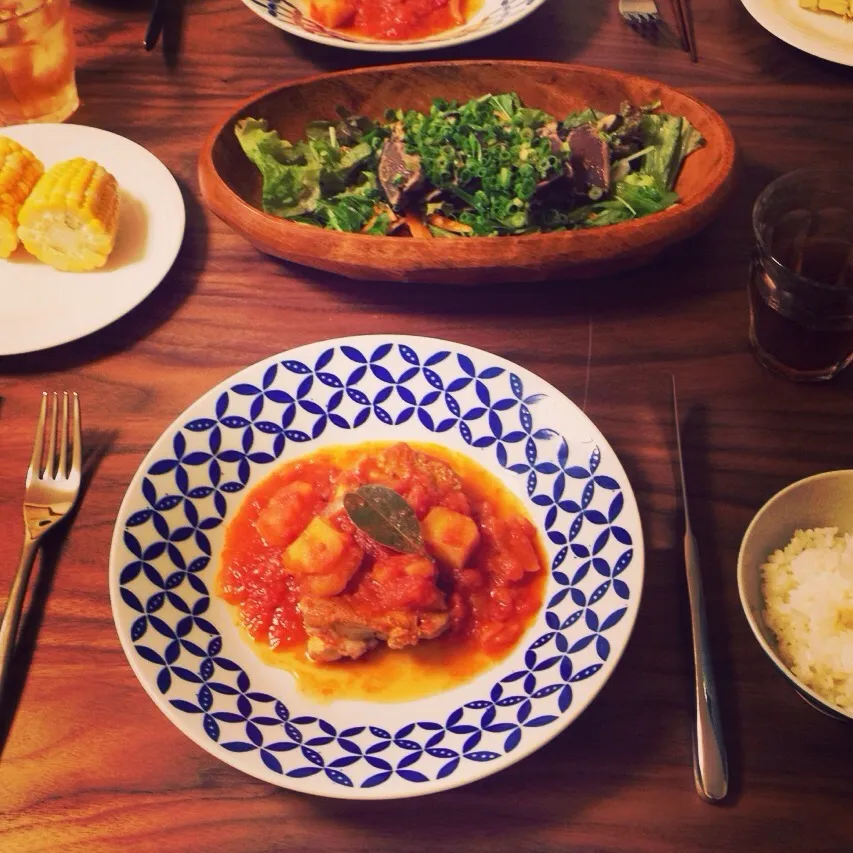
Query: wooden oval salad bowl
{"type": "Point", "coordinates": [231, 184]}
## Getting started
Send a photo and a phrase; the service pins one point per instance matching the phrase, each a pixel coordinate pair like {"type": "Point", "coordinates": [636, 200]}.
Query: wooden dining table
{"type": "Point", "coordinates": [89, 763]}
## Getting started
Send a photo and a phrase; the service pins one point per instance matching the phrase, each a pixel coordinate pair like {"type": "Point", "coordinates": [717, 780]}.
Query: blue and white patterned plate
{"type": "Point", "coordinates": [183, 644]}
{"type": "Point", "coordinates": [292, 17]}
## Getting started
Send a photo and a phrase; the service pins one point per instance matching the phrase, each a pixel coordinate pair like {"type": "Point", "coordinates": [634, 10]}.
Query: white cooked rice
{"type": "Point", "coordinates": [808, 596]}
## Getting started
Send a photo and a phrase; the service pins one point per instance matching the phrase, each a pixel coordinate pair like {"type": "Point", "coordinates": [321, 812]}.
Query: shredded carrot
{"type": "Point", "coordinates": [416, 226]}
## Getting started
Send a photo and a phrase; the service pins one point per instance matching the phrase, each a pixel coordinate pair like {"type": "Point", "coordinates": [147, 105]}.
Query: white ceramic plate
{"type": "Point", "coordinates": [43, 307]}
{"type": "Point", "coordinates": [824, 35]}
{"type": "Point", "coordinates": [181, 639]}
{"type": "Point", "coordinates": [292, 17]}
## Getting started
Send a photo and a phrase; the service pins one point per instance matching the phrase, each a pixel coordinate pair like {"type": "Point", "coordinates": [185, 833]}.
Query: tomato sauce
{"type": "Point", "coordinates": [400, 20]}
{"type": "Point", "coordinates": [492, 600]}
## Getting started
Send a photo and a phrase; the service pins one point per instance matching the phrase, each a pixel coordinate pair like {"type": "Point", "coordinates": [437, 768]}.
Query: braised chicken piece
{"type": "Point", "coordinates": [396, 602]}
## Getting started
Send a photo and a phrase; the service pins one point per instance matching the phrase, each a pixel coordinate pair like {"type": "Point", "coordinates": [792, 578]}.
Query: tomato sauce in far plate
{"type": "Point", "coordinates": [402, 20]}
{"type": "Point", "coordinates": [252, 579]}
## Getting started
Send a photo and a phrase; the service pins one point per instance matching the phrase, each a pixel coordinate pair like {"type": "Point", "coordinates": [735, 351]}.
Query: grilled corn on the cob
{"type": "Point", "coordinates": [71, 217]}
{"type": "Point", "coordinates": [19, 171]}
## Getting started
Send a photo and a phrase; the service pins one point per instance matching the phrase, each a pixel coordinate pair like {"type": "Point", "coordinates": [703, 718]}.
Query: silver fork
{"type": "Point", "coordinates": [641, 15]}
{"type": "Point", "coordinates": [53, 485]}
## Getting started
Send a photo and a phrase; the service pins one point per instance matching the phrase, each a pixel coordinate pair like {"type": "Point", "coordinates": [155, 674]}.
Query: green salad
{"type": "Point", "coordinates": [487, 167]}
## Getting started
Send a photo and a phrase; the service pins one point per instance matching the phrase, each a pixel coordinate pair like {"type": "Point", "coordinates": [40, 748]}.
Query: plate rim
{"type": "Point", "coordinates": [380, 46]}
{"type": "Point", "coordinates": [170, 250]}
{"type": "Point", "coordinates": [779, 26]}
{"type": "Point", "coordinates": [506, 760]}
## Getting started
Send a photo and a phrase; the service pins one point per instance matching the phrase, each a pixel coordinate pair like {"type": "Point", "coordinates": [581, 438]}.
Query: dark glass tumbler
{"type": "Point", "coordinates": [801, 277]}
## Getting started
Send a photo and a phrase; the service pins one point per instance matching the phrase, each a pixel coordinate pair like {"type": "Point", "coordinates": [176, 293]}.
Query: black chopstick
{"type": "Point", "coordinates": [679, 19]}
{"type": "Point", "coordinates": [155, 24]}
{"type": "Point", "coordinates": [685, 27]}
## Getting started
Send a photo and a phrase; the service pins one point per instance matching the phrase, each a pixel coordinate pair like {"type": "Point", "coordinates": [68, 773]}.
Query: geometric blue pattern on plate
{"type": "Point", "coordinates": [181, 641]}
{"type": "Point", "coordinates": [291, 16]}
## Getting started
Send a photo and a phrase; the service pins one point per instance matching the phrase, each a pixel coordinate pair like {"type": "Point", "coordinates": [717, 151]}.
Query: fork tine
{"type": "Point", "coordinates": [50, 461]}
{"type": "Point", "coordinates": [77, 440]}
{"type": "Point", "coordinates": [63, 437]}
{"type": "Point", "coordinates": [38, 445]}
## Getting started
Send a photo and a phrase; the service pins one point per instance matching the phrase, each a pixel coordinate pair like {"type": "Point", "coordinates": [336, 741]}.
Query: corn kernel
{"type": "Point", "coordinates": [19, 172]}
{"type": "Point", "coordinates": [70, 219]}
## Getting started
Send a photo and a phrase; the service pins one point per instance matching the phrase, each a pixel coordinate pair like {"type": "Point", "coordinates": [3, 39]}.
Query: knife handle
{"type": "Point", "coordinates": [710, 765]}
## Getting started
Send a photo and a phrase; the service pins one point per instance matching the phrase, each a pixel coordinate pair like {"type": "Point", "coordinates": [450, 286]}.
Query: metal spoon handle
{"type": "Point", "coordinates": [710, 767]}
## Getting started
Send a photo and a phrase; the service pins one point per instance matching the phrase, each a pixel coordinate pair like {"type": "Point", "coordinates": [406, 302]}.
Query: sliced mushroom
{"type": "Point", "coordinates": [394, 222]}
{"type": "Point", "coordinates": [400, 173]}
{"type": "Point", "coordinates": [590, 160]}
{"type": "Point", "coordinates": [630, 112]}
{"type": "Point", "coordinates": [610, 123]}
{"type": "Point", "coordinates": [549, 131]}
{"type": "Point", "coordinates": [396, 226]}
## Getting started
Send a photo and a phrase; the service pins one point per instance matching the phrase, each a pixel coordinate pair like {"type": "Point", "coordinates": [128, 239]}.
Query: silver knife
{"type": "Point", "coordinates": [710, 766]}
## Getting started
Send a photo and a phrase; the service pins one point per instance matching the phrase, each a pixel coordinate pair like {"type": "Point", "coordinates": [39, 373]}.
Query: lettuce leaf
{"type": "Point", "coordinates": [291, 173]}
{"type": "Point", "coordinates": [636, 195]}
{"type": "Point", "coordinates": [672, 138]}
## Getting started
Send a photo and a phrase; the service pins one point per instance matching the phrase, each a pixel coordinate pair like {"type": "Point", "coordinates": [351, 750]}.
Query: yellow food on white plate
{"type": "Point", "coordinates": [19, 171]}
{"type": "Point", "coordinates": [837, 7]}
{"type": "Point", "coordinates": [70, 219]}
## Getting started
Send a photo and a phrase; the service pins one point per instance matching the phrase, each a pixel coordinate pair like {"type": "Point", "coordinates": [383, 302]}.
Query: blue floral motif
{"type": "Point", "coordinates": [280, 407]}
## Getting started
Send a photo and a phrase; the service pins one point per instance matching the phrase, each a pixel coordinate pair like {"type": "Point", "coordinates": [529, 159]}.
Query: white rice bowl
{"type": "Point", "coordinates": [808, 604]}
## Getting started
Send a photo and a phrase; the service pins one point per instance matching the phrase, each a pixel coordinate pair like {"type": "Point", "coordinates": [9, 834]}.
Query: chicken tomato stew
{"type": "Point", "coordinates": [396, 561]}
{"type": "Point", "coordinates": [393, 20]}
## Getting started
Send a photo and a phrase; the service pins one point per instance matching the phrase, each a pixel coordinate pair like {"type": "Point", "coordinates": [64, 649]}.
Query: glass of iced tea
{"type": "Point", "coordinates": [36, 62]}
{"type": "Point", "coordinates": [801, 280]}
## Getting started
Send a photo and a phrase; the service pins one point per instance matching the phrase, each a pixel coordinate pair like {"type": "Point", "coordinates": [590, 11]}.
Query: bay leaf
{"type": "Point", "coordinates": [385, 517]}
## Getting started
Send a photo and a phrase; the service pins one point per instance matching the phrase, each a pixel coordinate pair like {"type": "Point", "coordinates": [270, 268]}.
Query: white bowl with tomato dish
{"type": "Point", "coordinates": [377, 567]}
{"type": "Point", "coordinates": [392, 25]}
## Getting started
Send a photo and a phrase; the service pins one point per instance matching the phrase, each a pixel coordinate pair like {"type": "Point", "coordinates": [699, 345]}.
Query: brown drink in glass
{"type": "Point", "coordinates": [801, 281]}
{"type": "Point", "coordinates": [36, 62]}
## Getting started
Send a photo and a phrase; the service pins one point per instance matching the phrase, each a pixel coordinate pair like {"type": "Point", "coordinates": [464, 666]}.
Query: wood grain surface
{"type": "Point", "coordinates": [88, 762]}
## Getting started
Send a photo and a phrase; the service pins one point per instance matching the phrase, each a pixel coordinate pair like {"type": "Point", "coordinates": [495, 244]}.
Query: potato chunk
{"type": "Point", "coordinates": [333, 13]}
{"type": "Point", "coordinates": [450, 535]}
{"type": "Point", "coordinates": [322, 558]}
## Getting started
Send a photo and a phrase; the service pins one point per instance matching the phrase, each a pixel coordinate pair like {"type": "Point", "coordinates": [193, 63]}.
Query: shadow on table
{"type": "Point", "coordinates": [670, 277]}
{"type": "Point", "coordinates": [136, 13]}
{"type": "Point", "coordinates": [139, 322]}
{"type": "Point", "coordinates": [96, 445]}
{"type": "Point", "coordinates": [555, 31]}
{"type": "Point", "coordinates": [777, 60]}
